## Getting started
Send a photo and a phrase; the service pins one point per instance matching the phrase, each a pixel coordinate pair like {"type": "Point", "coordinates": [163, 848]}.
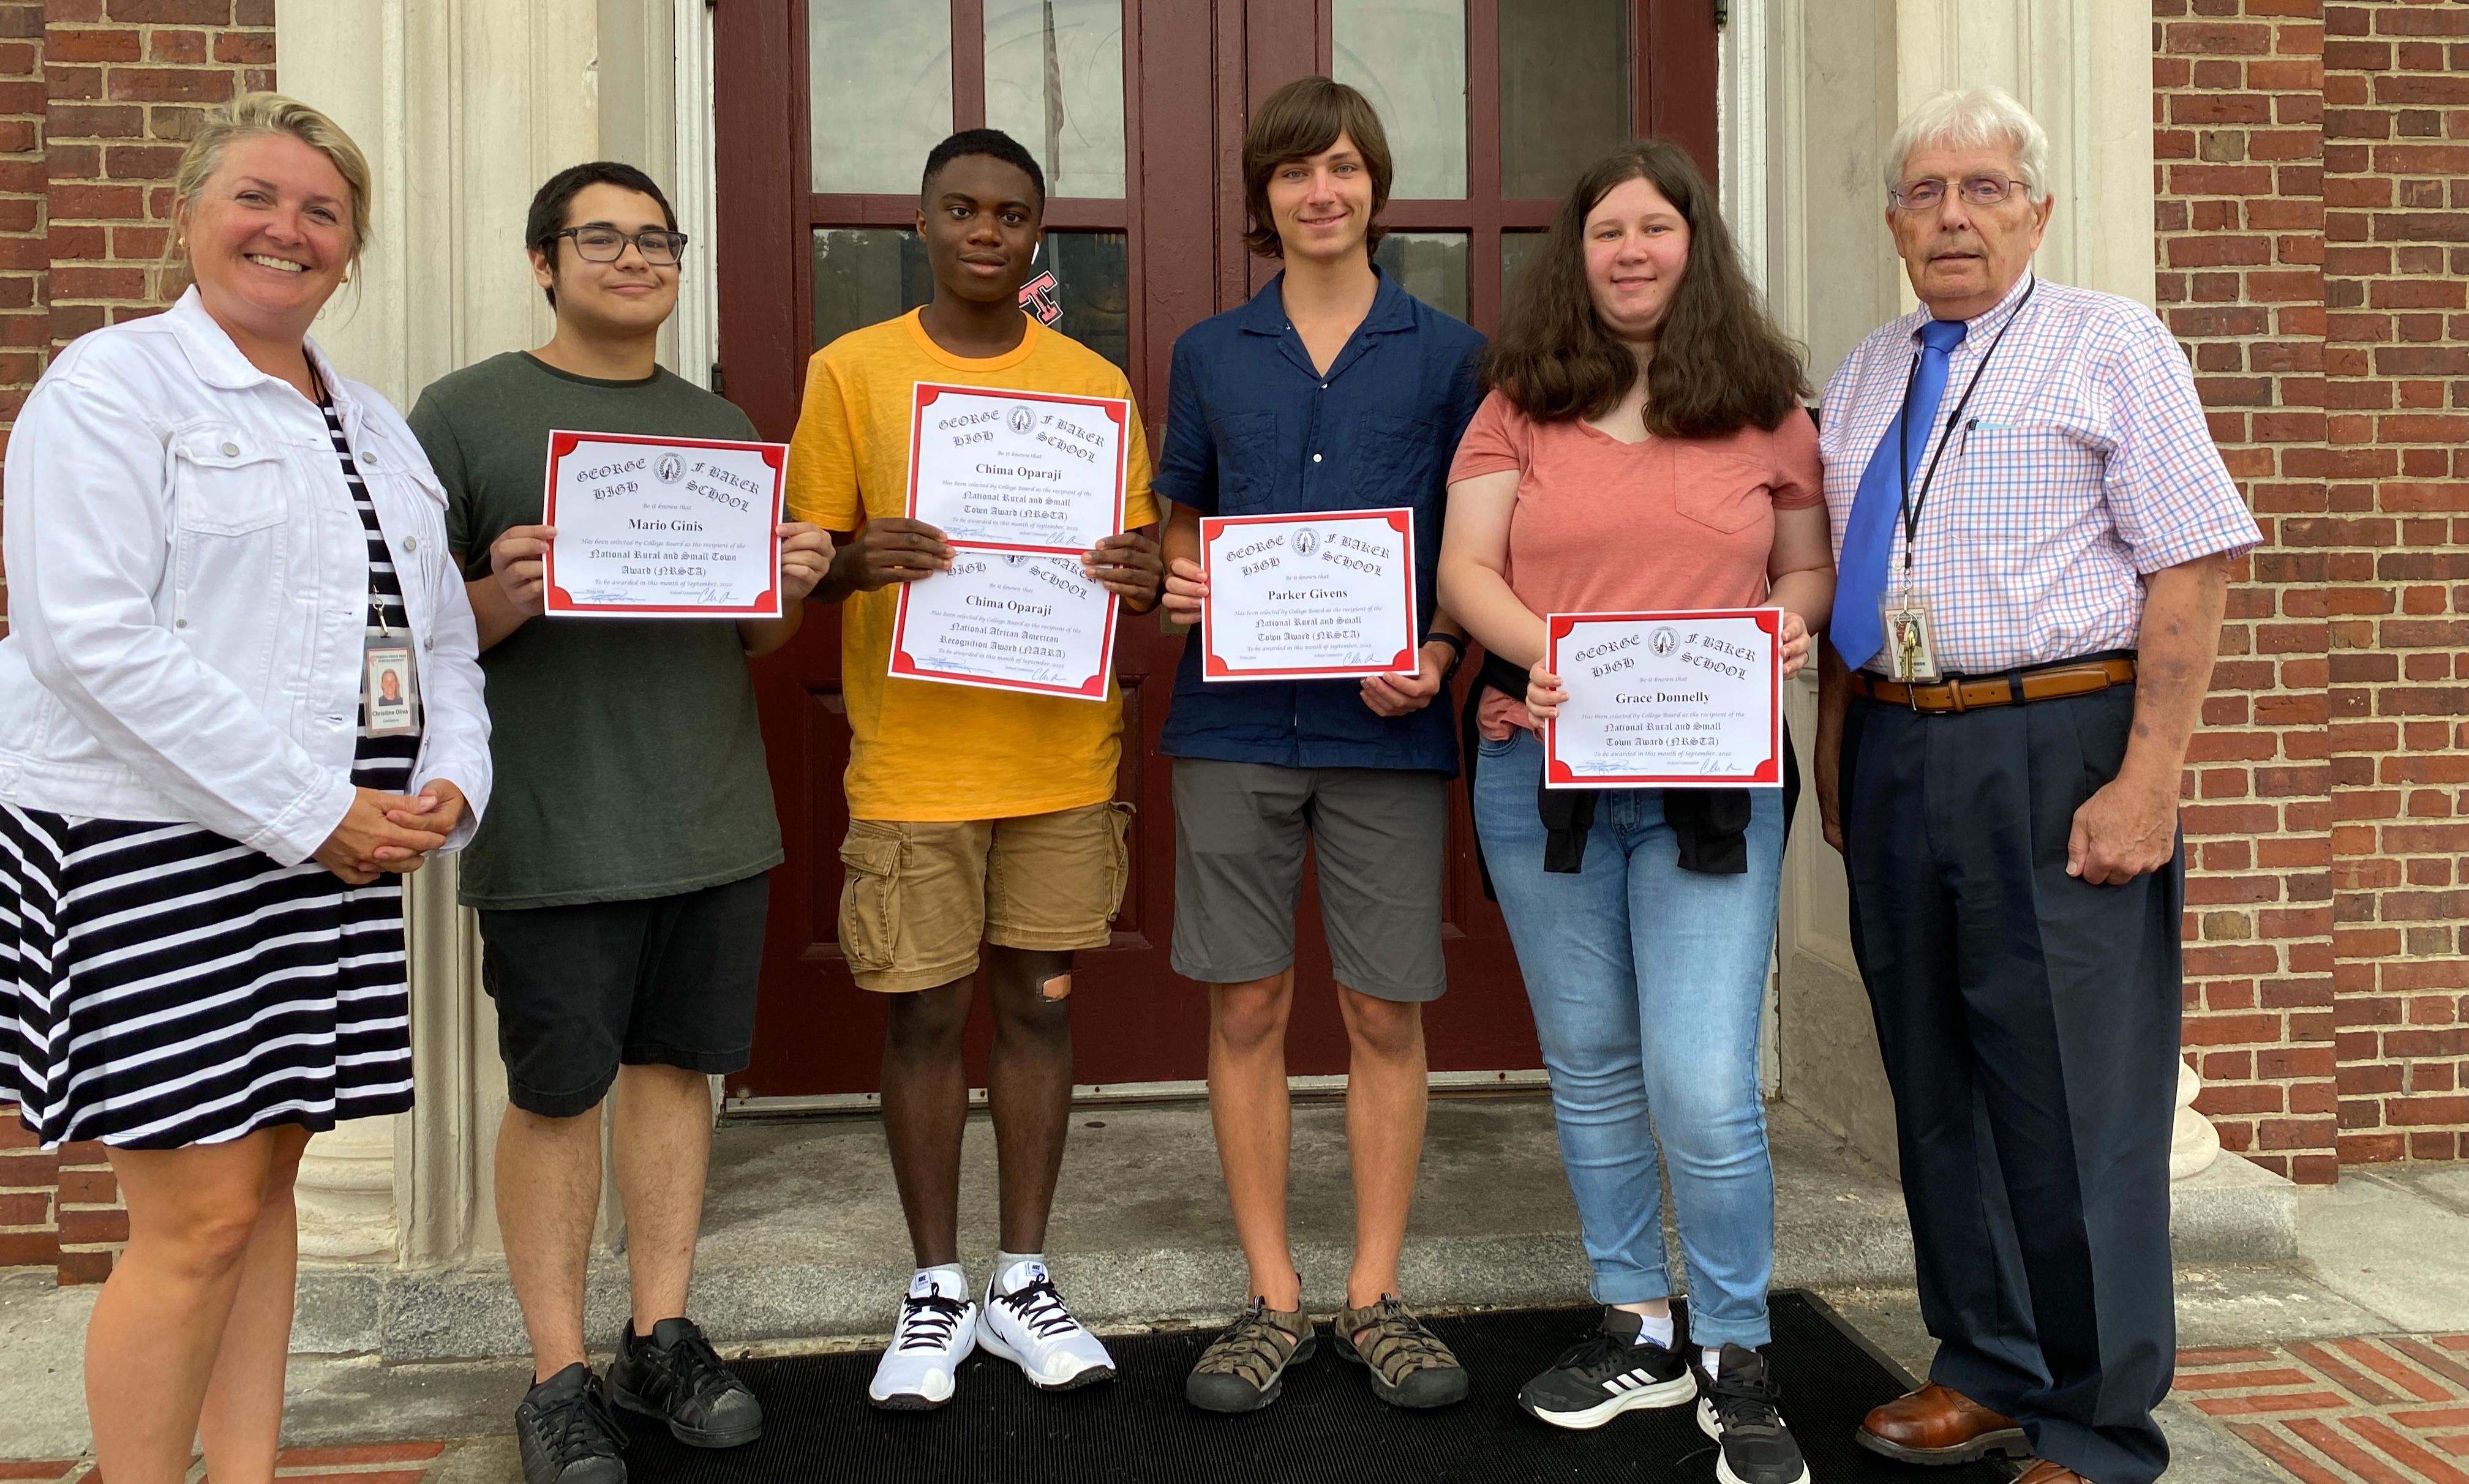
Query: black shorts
{"type": "Point", "coordinates": [582, 990]}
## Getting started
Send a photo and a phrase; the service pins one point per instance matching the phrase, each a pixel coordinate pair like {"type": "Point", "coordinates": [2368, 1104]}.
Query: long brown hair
{"type": "Point", "coordinates": [1719, 361]}
{"type": "Point", "coordinates": [1294, 123]}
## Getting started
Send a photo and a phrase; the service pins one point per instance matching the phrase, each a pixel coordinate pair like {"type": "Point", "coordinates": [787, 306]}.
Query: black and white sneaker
{"type": "Point", "coordinates": [675, 1374]}
{"type": "Point", "coordinates": [939, 1330]}
{"type": "Point", "coordinates": [1739, 1411]}
{"type": "Point", "coordinates": [568, 1434]}
{"type": "Point", "coordinates": [1608, 1374]}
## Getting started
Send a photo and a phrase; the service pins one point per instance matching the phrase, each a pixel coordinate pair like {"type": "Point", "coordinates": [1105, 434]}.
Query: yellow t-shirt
{"type": "Point", "coordinates": [923, 750]}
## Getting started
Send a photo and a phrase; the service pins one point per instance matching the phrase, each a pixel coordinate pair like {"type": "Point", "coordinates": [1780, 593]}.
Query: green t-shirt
{"type": "Point", "coordinates": [628, 757]}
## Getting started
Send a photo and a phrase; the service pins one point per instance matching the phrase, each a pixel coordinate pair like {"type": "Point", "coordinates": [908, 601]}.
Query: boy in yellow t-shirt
{"type": "Point", "coordinates": [974, 814]}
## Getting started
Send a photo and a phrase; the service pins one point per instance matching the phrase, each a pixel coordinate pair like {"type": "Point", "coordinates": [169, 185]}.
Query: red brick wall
{"type": "Point", "coordinates": [2237, 108]}
{"type": "Point", "coordinates": [129, 80]}
{"type": "Point", "coordinates": [97, 99]}
{"type": "Point", "coordinates": [2396, 230]}
{"type": "Point", "coordinates": [25, 325]}
{"type": "Point", "coordinates": [2314, 232]}
{"type": "Point", "coordinates": [30, 1178]}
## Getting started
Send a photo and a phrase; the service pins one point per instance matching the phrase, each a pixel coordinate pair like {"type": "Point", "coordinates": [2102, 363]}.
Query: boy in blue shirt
{"type": "Point", "coordinates": [1332, 388]}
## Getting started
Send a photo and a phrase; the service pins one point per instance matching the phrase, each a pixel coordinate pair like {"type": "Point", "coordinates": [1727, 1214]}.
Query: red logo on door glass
{"type": "Point", "coordinates": [1042, 297]}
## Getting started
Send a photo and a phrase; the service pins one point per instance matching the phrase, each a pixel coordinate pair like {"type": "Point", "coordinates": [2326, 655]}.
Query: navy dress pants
{"type": "Point", "coordinates": [2029, 1023]}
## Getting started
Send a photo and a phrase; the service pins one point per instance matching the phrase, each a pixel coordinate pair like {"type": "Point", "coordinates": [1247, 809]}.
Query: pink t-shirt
{"type": "Point", "coordinates": [1605, 527]}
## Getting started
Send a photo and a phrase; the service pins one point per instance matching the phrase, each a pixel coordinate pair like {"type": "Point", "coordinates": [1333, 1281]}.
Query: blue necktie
{"type": "Point", "coordinates": [1869, 537]}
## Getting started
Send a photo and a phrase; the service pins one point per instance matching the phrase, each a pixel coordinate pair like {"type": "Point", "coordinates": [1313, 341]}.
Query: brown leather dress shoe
{"type": "Point", "coordinates": [1938, 1425]}
{"type": "Point", "coordinates": [2047, 1473]}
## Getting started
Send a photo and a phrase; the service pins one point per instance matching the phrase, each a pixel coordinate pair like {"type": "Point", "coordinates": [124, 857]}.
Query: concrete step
{"type": "Point", "coordinates": [803, 1236]}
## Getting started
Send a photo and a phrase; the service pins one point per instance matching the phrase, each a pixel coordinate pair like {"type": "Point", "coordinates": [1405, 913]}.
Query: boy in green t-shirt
{"type": "Point", "coordinates": [976, 817]}
{"type": "Point", "coordinates": [621, 893]}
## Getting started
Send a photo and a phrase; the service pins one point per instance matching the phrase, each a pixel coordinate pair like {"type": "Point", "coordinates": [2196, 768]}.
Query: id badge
{"type": "Point", "coordinates": [1911, 640]}
{"type": "Point", "coordinates": [389, 687]}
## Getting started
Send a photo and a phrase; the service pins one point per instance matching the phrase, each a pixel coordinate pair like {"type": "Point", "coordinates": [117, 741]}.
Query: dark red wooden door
{"type": "Point", "coordinates": [810, 244]}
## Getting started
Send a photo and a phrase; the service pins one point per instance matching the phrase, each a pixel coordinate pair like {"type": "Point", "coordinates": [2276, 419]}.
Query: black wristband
{"type": "Point", "coordinates": [1457, 649]}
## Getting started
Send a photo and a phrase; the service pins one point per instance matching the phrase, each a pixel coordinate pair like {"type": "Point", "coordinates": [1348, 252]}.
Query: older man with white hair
{"type": "Point", "coordinates": [2033, 530]}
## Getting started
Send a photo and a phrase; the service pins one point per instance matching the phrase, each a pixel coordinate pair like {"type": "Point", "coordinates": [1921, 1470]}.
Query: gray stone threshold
{"type": "Point", "coordinates": [803, 1238]}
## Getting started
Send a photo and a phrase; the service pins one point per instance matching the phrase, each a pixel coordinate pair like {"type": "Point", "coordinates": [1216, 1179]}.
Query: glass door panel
{"type": "Point", "coordinates": [1093, 274]}
{"type": "Point", "coordinates": [864, 276]}
{"type": "Point", "coordinates": [1518, 251]}
{"type": "Point", "coordinates": [1409, 57]}
{"type": "Point", "coordinates": [1430, 266]}
{"type": "Point", "coordinates": [867, 275]}
{"type": "Point", "coordinates": [1565, 73]}
{"type": "Point", "coordinates": [1054, 82]}
{"type": "Point", "coordinates": [878, 91]}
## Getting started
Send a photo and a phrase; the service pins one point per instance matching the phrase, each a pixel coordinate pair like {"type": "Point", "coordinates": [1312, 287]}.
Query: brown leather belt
{"type": "Point", "coordinates": [2079, 678]}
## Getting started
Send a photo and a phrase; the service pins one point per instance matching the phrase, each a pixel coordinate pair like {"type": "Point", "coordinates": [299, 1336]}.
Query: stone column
{"type": "Point", "coordinates": [1834, 78]}
{"type": "Point", "coordinates": [462, 111]}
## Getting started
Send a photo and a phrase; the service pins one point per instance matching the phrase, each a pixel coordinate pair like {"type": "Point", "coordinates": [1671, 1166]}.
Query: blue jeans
{"type": "Point", "coordinates": [1646, 982]}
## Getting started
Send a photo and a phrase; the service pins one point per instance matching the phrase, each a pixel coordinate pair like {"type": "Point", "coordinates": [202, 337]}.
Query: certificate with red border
{"type": "Point", "coordinates": [1003, 620]}
{"type": "Point", "coordinates": [662, 527]}
{"type": "Point", "coordinates": [1683, 700]}
{"type": "Point", "coordinates": [1018, 471]}
{"type": "Point", "coordinates": [1020, 483]}
{"type": "Point", "coordinates": [1309, 597]}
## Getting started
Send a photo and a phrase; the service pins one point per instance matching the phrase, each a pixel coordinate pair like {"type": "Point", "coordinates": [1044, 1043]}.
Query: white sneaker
{"type": "Point", "coordinates": [1030, 1327]}
{"type": "Point", "coordinates": [939, 1330]}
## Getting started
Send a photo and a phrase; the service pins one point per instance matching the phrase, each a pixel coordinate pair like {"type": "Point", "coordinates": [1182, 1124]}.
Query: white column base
{"type": "Point", "coordinates": [2193, 1143]}
{"type": "Point", "coordinates": [346, 1193]}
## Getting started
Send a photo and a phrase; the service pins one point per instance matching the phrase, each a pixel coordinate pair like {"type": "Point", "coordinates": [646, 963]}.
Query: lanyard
{"type": "Point", "coordinates": [1910, 503]}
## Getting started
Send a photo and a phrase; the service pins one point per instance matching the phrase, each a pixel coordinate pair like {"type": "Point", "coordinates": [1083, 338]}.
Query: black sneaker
{"type": "Point", "coordinates": [1609, 1373]}
{"type": "Point", "coordinates": [1739, 1412]}
{"type": "Point", "coordinates": [676, 1375]}
{"type": "Point", "coordinates": [566, 1432]}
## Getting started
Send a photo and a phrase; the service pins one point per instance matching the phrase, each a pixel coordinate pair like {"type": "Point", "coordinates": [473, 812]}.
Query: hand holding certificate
{"type": "Point", "coordinates": [1667, 700]}
{"type": "Point", "coordinates": [1020, 486]}
{"type": "Point", "coordinates": [1309, 597]}
{"type": "Point", "coordinates": [662, 528]}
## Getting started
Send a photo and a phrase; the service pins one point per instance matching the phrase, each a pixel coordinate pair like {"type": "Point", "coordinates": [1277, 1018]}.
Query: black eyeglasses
{"type": "Point", "coordinates": [661, 247]}
{"type": "Point", "coordinates": [1920, 195]}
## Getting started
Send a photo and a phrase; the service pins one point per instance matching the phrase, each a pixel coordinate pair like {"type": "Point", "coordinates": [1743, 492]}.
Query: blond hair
{"type": "Point", "coordinates": [252, 114]}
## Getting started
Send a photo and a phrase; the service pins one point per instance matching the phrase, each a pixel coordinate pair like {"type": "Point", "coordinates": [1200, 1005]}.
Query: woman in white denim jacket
{"type": "Point", "coordinates": [212, 541]}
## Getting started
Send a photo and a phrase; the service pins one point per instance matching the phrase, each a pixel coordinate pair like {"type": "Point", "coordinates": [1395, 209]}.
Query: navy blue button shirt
{"type": "Point", "coordinates": [1251, 429]}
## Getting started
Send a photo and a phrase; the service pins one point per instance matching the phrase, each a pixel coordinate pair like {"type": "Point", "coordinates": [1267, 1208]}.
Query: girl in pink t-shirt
{"type": "Point", "coordinates": [1643, 448]}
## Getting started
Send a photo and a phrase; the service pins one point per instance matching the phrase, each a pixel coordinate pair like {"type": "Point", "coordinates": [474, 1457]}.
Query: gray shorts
{"type": "Point", "coordinates": [1380, 834]}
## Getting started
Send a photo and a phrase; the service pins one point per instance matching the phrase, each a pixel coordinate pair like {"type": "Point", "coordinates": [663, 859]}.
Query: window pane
{"type": "Point", "coordinates": [1430, 266]}
{"type": "Point", "coordinates": [1054, 82]}
{"type": "Point", "coordinates": [1564, 77]}
{"type": "Point", "coordinates": [1518, 250]}
{"type": "Point", "coordinates": [880, 91]}
{"type": "Point", "coordinates": [1094, 270]}
{"type": "Point", "coordinates": [1408, 57]}
{"type": "Point", "coordinates": [865, 277]}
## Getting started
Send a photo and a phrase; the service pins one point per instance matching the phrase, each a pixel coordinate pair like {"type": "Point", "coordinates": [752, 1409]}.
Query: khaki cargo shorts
{"type": "Point", "coordinates": [918, 898]}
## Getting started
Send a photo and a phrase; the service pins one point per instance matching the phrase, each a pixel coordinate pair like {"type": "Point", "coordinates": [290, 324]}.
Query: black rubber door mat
{"type": "Point", "coordinates": [1327, 1428]}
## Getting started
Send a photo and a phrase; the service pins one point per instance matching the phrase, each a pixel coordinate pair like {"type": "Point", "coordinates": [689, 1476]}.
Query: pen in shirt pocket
{"type": "Point", "coordinates": [1978, 426]}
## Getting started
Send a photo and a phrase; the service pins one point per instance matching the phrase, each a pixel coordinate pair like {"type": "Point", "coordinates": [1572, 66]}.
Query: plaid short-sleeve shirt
{"type": "Point", "coordinates": [2080, 464]}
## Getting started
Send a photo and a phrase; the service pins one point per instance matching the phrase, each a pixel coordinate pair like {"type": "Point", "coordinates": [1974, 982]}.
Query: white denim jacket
{"type": "Point", "coordinates": [188, 590]}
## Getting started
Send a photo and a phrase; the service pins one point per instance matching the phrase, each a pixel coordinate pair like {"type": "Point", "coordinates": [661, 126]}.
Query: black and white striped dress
{"type": "Point", "coordinates": [161, 985]}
